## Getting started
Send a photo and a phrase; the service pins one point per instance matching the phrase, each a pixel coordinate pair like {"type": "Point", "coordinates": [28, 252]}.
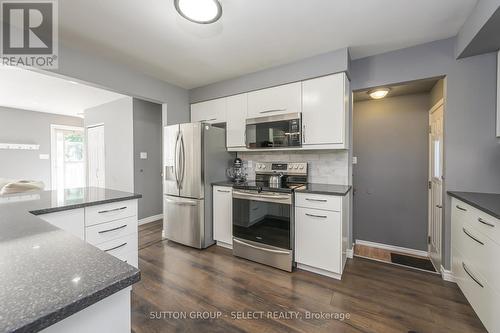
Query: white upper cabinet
{"type": "Point", "coordinates": [212, 112]}
{"type": "Point", "coordinates": [325, 112]}
{"type": "Point", "coordinates": [235, 120]}
{"type": "Point", "coordinates": [274, 101]}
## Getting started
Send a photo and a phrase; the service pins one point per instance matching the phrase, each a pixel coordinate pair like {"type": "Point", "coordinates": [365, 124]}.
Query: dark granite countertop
{"type": "Point", "coordinates": [47, 274]}
{"type": "Point", "coordinates": [327, 189]}
{"type": "Point", "coordinates": [487, 202]}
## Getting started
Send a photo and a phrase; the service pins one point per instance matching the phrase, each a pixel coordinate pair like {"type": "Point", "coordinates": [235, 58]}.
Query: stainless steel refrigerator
{"type": "Point", "coordinates": [194, 156]}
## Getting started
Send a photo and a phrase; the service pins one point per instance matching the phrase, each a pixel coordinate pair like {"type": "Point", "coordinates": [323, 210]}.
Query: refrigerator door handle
{"type": "Point", "coordinates": [176, 160]}
{"type": "Point", "coordinates": [181, 180]}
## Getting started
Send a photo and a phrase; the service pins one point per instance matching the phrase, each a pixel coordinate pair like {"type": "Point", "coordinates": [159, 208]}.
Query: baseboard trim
{"type": "Point", "coordinates": [393, 248]}
{"type": "Point", "coordinates": [150, 219]}
{"type": "Point", "coordinates": [349, 253]}
{"type": "Point", "coordinates": [319, 271]}
{"type": "Point", "coordinates": [225, 245]}
{"type": "Point", "coordinates": [447, 275]}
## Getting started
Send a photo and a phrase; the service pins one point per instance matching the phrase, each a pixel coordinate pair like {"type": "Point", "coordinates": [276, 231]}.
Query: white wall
{"type": "Point", "coordinates": [117, 117]}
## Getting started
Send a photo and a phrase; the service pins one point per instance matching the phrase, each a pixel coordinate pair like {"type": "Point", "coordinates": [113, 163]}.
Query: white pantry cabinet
{"type": "Point", "coordinates": [213, 111]}
{"type": "Point", "coordinates": [325, 112]}
{"type": "Point", "coordinates": [223, 215]}
{"type": "Point", "coordinates": [273, 101]}
{"type": "Point", "coordinates": [321, 233]}
{"type": "Point", "coordinates": [237, 107]}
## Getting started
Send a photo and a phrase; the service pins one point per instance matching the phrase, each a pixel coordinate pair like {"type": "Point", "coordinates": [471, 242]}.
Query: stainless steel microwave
{"type": "Point", "coordinates": [279, 131]}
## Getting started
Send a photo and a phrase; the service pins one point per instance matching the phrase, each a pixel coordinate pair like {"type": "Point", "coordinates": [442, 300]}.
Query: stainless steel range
{"type": "Point", "coordinates": [263, 223]}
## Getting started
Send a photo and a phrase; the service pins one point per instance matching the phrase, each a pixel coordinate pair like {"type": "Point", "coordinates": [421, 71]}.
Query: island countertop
{"type": "Point", "coordinates": [47, 274]}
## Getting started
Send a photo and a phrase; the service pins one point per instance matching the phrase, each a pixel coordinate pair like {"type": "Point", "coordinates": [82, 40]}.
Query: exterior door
{"type": "Point", "coordinates": [96, 156]}
{"type": "Point", "coordinates": [436, 184]}
{"type": "Point", "coordinates": [171, 163]}
{"type": "Point", "coordinates": [190, 150]}
{"type": "Point", "coordinates": [68, 157]}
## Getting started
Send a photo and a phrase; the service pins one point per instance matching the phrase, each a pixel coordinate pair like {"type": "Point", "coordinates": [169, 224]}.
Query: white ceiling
{"type": "Point", "coordinates": [28, 90]}
{"type": "Point", "coordinates": [252, 35]}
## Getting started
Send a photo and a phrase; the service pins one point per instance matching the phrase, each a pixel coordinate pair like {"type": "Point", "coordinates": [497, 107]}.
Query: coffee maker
{"type": "Point", "coordinates": [237, 173]}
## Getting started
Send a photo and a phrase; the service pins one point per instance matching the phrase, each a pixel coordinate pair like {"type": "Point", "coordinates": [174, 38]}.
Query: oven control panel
{"type": "Point", "coordinates": [288, 168]}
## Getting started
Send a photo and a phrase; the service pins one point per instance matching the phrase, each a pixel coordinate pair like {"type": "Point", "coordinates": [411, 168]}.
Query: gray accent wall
{"type": "Point", "coordinates": [324, 64]}
{"type": "Point", "coordinates": [472, 151]}
{"type": "Point", "coordinates": [109, 74]}
{"type": "Point", "coordinates": [147, 172]}
{"type": "Point", "coordinates": [390, 177]}
{"type": "Point", "coordinates": [29, 127]}
{"type": "Point", "coordinates": [117, 117]}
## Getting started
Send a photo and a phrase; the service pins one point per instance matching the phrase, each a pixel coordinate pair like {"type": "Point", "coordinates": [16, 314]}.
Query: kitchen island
{"type": "Point", "coordinates": [52, 280]}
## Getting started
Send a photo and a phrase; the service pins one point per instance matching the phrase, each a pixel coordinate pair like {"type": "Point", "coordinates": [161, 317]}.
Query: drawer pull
{"type": "Point", "coordinates": [318, 200]}
{"type": "Point", "coordinates": [112, 210]}
{"type": "Point", "coordinates": [461, 208]}
{"type": "Point", "coordinates": [116, 247]}
{"type": "Point", "coordinates": [474, 238]}
{"type": "Point", "coordinates": [114, 229]}
{"type": "Point", "coordinates": [223, 191]}
{"type": "Point", "coordinates": [320, 216]}
{"type": "Point", "coordinates": [485, 222]}
{"type": "Point", "coordinates": [274, 110]}
{"type": "Point", "coordinates": [471, 276]}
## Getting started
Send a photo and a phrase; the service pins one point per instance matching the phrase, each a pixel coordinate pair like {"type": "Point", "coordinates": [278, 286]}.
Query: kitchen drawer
{"type": "Point", "coordinates": [318, 241]}
{"type": "Point", "coordinates": [120, 247]}
{"type": "Point", "coordinates": [318, 201]}
{"type": "Point", "coordinates": [484, 223]}
{"type": "Point", "coordinates": [484, 300]}
{"type": "Point", "coordinates": [104, 232]}
{"type": "Point", "coordinates": [110, 212]}
{"type": "Point", "coordinates": [478, 250]}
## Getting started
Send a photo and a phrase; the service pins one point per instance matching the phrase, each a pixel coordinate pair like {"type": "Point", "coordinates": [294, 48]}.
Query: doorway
{"type": "Point", "coordinates": [68, 157]}
{"type": "Point", "coordinates": [96, 156]}
{"type": "Point", "coordinates": [436, 121]}
{"type": "Point", "coordinates": [393, 154]}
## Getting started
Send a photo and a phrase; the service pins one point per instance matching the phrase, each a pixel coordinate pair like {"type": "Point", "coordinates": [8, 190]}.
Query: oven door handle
{"type": "Point", "coordinates": [277, 197]}
{"type": "Point", "coordinates": [260, 248]}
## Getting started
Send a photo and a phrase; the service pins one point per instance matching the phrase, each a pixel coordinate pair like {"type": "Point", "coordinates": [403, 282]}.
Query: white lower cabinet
{"type": "Point", "coordinates": [223, 215]}
{"type": "Point", "coordinates": [320, 234]}
{"type": "Point", "coordinates": [72, 221]}
{"type": "Point", "coordinates": [111, 227]}
{"type": "Point", "coordinates": [475, 250]}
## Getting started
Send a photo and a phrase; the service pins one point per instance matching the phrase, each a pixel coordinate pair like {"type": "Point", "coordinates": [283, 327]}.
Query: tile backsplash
{"type": "Point", "coordinates": [328, 167]}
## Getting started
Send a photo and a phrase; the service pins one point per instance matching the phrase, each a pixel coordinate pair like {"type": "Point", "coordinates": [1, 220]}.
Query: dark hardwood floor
{"type": "Point", "coordinates": [378, 297]}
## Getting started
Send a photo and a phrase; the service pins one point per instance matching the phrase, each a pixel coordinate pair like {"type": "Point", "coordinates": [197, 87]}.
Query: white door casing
{"type": "Point", "coordinates": [436, 182]}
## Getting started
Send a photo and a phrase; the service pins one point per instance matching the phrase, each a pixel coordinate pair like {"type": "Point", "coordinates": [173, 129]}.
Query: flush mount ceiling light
{"type": "Point", "coordinates": [199, 11]}
{"type": "Point", "coordinates": [378, 93]}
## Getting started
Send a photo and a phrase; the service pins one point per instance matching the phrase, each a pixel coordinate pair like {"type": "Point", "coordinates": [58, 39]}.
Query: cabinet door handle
{"type": "Point", "coordinates": [461, 208]}
{"type": "Point", "coordinates": [112, 210]}
{"type": "Point", "coordinates": [116, 247]}
{"type": "Point", "coordinates": [471, 275]}
{"type": "Point", "coordinates": [474, 238]}
{"type": "Point", "coordinates": [439, 206]}
{"type": "Point", "coordinates": [273, 110]}
{"type": "Point", "coordinates": [114, 229]}
{"type": "Point", "coordinates": [303, 133]}
{"type": "Point", "coordinates": [485, 222]}
{"type": "Point", "coordinates": [223, 191]}
{"type": "Point", "coordinates": [319, 216]}
{"type": "Point", "coordinates": [318, 200]}
{"type": "Point", "coordinates": [211, 119]}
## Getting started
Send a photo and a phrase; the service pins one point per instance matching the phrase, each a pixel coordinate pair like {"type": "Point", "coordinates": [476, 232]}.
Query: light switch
{"type": "Point", "coordinates": [44, 156]}
{"type": "Point", "coordinates": [144, 155]}
{"type": "Point", "coordinates": [354, 160]}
